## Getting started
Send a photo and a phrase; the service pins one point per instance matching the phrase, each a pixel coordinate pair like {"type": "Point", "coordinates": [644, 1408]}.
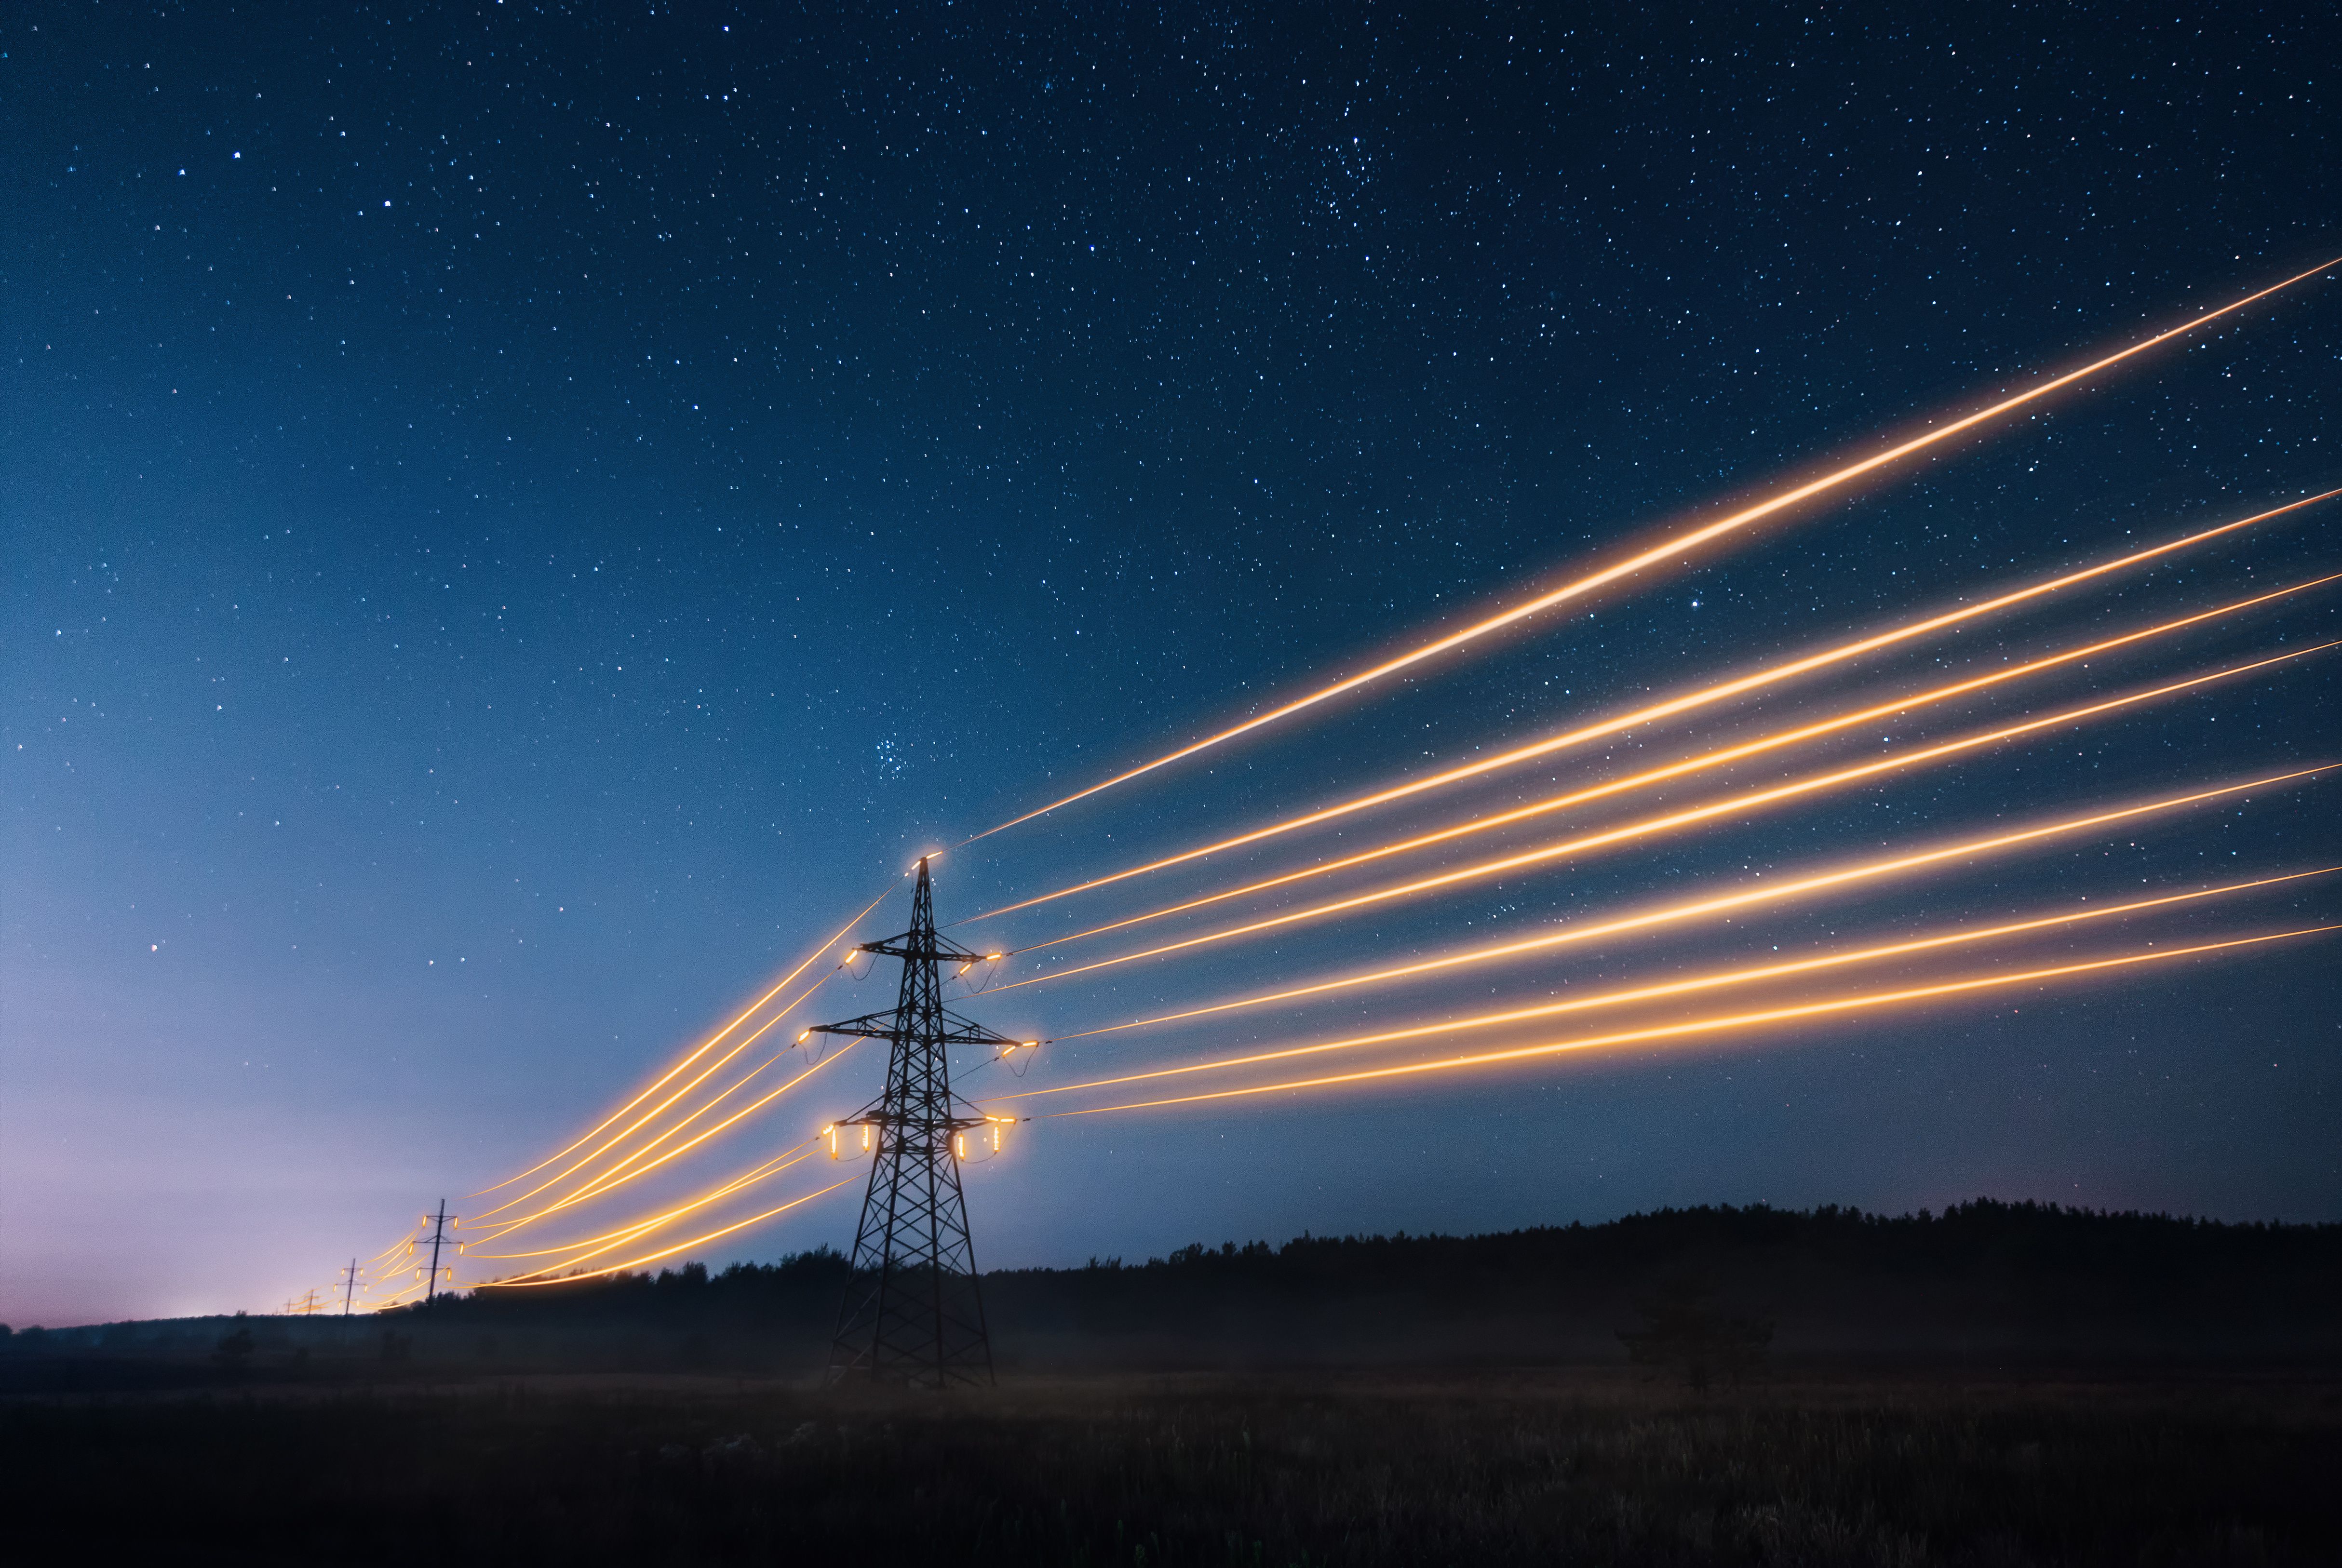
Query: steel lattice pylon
{"type": "Point", "coordinates": [913, 1311]}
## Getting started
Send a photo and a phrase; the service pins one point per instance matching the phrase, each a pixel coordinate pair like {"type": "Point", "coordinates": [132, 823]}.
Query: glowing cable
{"type": "Point", "coordinates": [524, 1281]}
{"type": "Point", "coordinates": [1650, 826]}
{"type": "Point", "coordinates": [1713, 981]}
{"type": "Point", "coordinates": [1668, 709]}
{"type": "Point", "coordinates": [392, 1298]}
{"type": "Point", "coordinates": [1696, 763]}
{"type": "Point", "coordinates": [611, 1180]}
{"type": "Point", "coordinates": [713, 1041]}
{"type": "Point", "coordinates": [507, 1226]}
{"type": "Point", "coordinates": [1659, 553]}
{"type": "Point", "coordinates": [589, 1245]}
{"type": "Point", "coordinates": [1673, 913]}
{"type": "Point", "coordinates": [613, 1177]}
{"type": "Point", "coordinates": [1710, 1025]}
{"type": "Point", "coordinates": [755, 1174]}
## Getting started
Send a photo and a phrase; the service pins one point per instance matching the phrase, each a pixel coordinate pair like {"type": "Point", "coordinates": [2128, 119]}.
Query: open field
{"type": "Point", "coordinates": [1997, 1385]}
{"type": "Point", "coordinates": [1330, 1468]}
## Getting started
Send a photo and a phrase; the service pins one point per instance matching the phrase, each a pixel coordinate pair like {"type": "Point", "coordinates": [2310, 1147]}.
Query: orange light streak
{"type": "Point", "coordinates": [391, 1300]}
{"type": "Point", "coordinates": [525, 1281]}
{"type": "Point", "coordinates": [1672, 820]}
{"type": "Point", "coordinates": [736, 1084]}
{"type": "Point", "coordinates": [371, 1271]}
{"type": "Point", "coordinates": [627, 1233]}
{"type": "Point", "coordinates": [1733, 1021]}
{"type": "Point", "coordinates": [779, 1162]}
{"type": "Point", "coordinates": [602, 1181]}
{"type": "Point", "coordinates": [1700, 762]}
{"type": "Point", "coordinates": [713, 1041]}
{"type": "Point", "coordinates": [1689, 540]}
{"type": "Point", "coordinates": [1668, 709]}
{"type": "Point", "coordinates": [611, 1179]}
{"type": "Point", "coordinates": [1709, 982]}
{"type": "Point", "coordinates": [582, 1197]}
{"type": "Point", "coordinates": [1673, 913]}
{"type": "Point", "coordinates": [615, 1139]}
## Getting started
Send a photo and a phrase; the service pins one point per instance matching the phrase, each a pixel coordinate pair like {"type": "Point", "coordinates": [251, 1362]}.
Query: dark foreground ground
{"type": "Point", "coordinates": [1546, 1466]}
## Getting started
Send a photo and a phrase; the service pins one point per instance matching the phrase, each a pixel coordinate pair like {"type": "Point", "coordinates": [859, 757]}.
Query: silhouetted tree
{"type": "Point", "coordinates": [1684, 1331]}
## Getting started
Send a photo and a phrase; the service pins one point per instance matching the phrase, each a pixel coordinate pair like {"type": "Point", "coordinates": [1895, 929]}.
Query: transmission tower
{"type": "Point", "coordinates": [349, 1286]}
{"type": "Point", "coordinates": [913, 1312]}
{"type": "Point", "coordinates": [438, 1223]}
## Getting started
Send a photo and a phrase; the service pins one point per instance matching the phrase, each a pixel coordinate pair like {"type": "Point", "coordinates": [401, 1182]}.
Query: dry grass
{"type": "Point", "coordinates": [1541, 1467]}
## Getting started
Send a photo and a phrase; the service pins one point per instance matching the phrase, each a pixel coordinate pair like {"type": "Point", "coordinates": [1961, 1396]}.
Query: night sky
{"type": "Point", "coordinates": [519, 519]}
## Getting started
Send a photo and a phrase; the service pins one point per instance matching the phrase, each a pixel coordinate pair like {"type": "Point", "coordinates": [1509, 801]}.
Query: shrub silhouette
{"type": "Point", "coordinates": [1684, 1331]}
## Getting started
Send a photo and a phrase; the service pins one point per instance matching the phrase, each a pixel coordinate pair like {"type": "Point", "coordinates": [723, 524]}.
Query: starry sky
{"type": "Point", "coordinates": [519, 518]}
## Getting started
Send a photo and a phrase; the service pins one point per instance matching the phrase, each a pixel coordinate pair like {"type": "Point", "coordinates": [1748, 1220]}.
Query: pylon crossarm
{"type": "Point", "coordinates": [941, 1125]}
{"type": "Point", "coordinates": [937, 952]}
{"type": "Point", "coordinates": [965, 1032]}
{"type": "Point", "coordinates": [881, 1026]}
{"type": "Point", "coordinates": [869, 1026]}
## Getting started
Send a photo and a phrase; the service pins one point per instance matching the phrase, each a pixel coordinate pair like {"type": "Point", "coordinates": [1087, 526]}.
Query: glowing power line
{"type": "Point", "coordinates": [593, 1246]}
{"type": "Point", "coordinates": [1745, 976]}
{"type": "Point", "coordinates": [1672, 914]}
{"type": "Point", "coordinates": [1667, 709]}
{"type": "Point", "coordinates": [611, 1180]}
{"type": "Point", "coordinates": [1657, 553]}
{"type": "Point", "coordinates": [1669, 821]}
{"type": "Point", "coordinates": [1713, 1026]}
{"type": "Point", "coordinates": [713, 1041]}
{"type": "Point", "coordinates": [524, 1281]}
{"type": "Point", "coordinates": [656, 1111]}
{"type": "Point", "coordinates": [1696, 763]}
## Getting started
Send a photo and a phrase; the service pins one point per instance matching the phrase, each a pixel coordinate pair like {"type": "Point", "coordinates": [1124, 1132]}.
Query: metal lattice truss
{"type": "Point", "coordinates": [913, 1312]}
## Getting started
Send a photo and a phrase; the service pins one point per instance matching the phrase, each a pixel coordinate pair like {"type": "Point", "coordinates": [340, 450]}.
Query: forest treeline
{"type": "Point", "coordinates": [1980, 1283]}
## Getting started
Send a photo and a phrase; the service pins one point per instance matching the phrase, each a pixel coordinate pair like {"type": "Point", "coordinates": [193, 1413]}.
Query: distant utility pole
{"type": "Point", "coordinates": [913, 1312]}
{"type": "Point", "coordinates": [305, 1304]}
{"type": "Point", "coordinates": [438, 1234]}
{"type": "Point", "coordinates": [349, 1286]}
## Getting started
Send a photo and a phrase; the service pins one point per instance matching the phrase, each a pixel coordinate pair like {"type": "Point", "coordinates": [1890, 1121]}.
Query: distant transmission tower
{"type": "Point", "coordinates": [439, 1222]}
{"type": "Point", "coordinates": [349, 1286]}
{"type": "Point", "coordinates": [913, 1312]}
